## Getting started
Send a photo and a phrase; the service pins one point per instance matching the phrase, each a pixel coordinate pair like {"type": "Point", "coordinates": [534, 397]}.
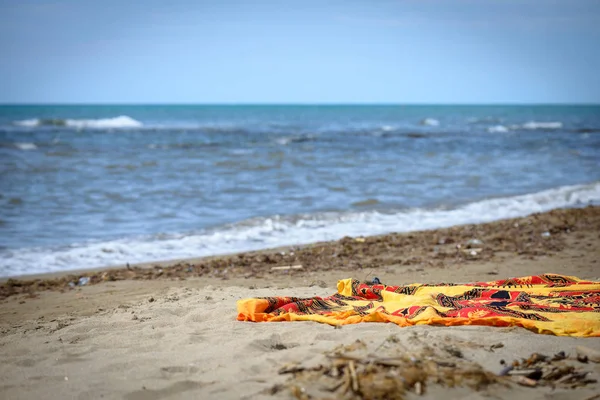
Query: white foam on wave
{"type": "Point", "coordinates": [430, 122]}
{"type": "Point", "coordinates": [261, 233]}
{"type": "Point", "coordinates": [532, 125]}
{"type": "Point", "coordinates": [120, 122]}
{"type": "Point", "coordinates": [28, 122]}
{"type": "Point", "coordinates": [25, 146]}
{"type": "Point", "coordinates": [498, 129]}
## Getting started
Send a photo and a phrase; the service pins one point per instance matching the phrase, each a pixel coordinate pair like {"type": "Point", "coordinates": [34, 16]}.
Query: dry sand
{"type": "Point", "coordinates": [169, 331]}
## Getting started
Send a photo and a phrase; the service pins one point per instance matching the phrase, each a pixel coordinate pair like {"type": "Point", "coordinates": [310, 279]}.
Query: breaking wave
{"type": "Point", "coordinates": [532, 125]}
{"type": "Point", "coordinates": [25, 146]}
{"type": "Point", "coordinates": [497, 129]}
{"type": "Point", "coordinates": [261, 233]}
{"type": "Point", "coordinates": [120, 122]}
{"type": "Point", "coordinates": [430, 122]}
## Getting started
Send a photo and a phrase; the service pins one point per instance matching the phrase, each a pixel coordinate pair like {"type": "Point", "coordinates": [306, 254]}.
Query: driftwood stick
{"type": "Point", "coordinates": [346, 380]}
{"type": "Point", "coordinates": [353, 376]}
{"type": "Point", "coordinates": [287, 267]}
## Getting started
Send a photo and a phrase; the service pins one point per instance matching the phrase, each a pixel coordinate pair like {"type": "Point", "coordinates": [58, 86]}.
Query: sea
{"type": "Point", "coordinates": [93, 186]}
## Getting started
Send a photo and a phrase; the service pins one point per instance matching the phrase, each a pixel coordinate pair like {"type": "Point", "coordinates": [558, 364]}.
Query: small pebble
{"type": "Point", "coordinates": [560, 355]}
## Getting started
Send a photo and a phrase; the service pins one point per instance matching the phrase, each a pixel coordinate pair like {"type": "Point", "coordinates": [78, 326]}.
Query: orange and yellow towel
{"type": "Point", "coordinates": [549, 303]}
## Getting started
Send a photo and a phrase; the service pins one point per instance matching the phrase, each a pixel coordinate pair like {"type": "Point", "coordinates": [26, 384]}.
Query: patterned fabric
{"type": "Point", "coordinates": [553, 304]}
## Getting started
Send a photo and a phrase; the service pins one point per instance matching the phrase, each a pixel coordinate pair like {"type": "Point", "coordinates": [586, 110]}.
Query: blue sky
{"type": "Point", "coordinates": [403, 51]}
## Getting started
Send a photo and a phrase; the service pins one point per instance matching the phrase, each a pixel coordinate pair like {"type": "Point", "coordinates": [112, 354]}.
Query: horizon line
{"type": "Point", "coordinates": [245, 104]}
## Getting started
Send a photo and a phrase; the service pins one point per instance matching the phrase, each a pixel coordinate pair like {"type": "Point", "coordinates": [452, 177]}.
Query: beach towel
{"type": "Point", "coordinates": [549, 303]}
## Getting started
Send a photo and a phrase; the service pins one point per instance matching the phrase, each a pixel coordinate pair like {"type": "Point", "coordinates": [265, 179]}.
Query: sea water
{"type": "Point", "coordinates": [92, 186]}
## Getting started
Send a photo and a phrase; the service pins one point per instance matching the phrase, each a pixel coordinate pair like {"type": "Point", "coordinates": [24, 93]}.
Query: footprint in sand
{"type": "Point", "coordinates": [169, 372]}
{"type": "Point", "coordinates": [273, 343]}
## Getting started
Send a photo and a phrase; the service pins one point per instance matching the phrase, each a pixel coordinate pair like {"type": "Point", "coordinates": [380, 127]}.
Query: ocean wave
{"type": "Point", "coordinates": [26, 146]}
{"type": "Point", "coordinates": [285, 140]}
{"type": "Point", "coordinates": [120, 122]}
{"type": "Point", "coordinates": [430, 122]}
{"type": "Point", "coordinates": [30, 122]}
{"type": "Point", "coordinates": [532, 125]}
{"type": "Point", "coordinates": [497, 129]}
{"type": "Point", "coordinates": [126, 122]}
{"type": "Point", "coordinates": [383, 131]}
{"type": "Point", "coordinates": [261, 233]}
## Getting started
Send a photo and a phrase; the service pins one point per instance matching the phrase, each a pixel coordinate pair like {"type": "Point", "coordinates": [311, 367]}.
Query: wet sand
{"type": "Point", "coordinates": [168, 329]}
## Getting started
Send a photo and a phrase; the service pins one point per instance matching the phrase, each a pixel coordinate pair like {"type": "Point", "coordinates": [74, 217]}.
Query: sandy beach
{"type": "Point", "coordinates": [168, 330]}
{"type": "Point", "coordinates": [396, 200]}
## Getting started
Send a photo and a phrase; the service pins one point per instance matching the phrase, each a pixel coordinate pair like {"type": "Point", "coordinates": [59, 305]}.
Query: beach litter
{"type": "Point", "coordinates": [350, 372]}
{"type": "Point", "coordinates": [588, 354]}
{"type": "Point", "coordinates": [287, 268]}
{"type": "Point", "coordinates": [541, 370]}
{"type": "Point", "coordinates": [84, 280]}
{"type": "Point", "coordinates": [474, 243]}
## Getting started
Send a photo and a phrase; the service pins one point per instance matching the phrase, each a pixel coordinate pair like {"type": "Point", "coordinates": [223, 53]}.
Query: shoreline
{"type": "Point", "coordinates": [85, 253]}
{"type": "Point", "coordinates": [535, 235]}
